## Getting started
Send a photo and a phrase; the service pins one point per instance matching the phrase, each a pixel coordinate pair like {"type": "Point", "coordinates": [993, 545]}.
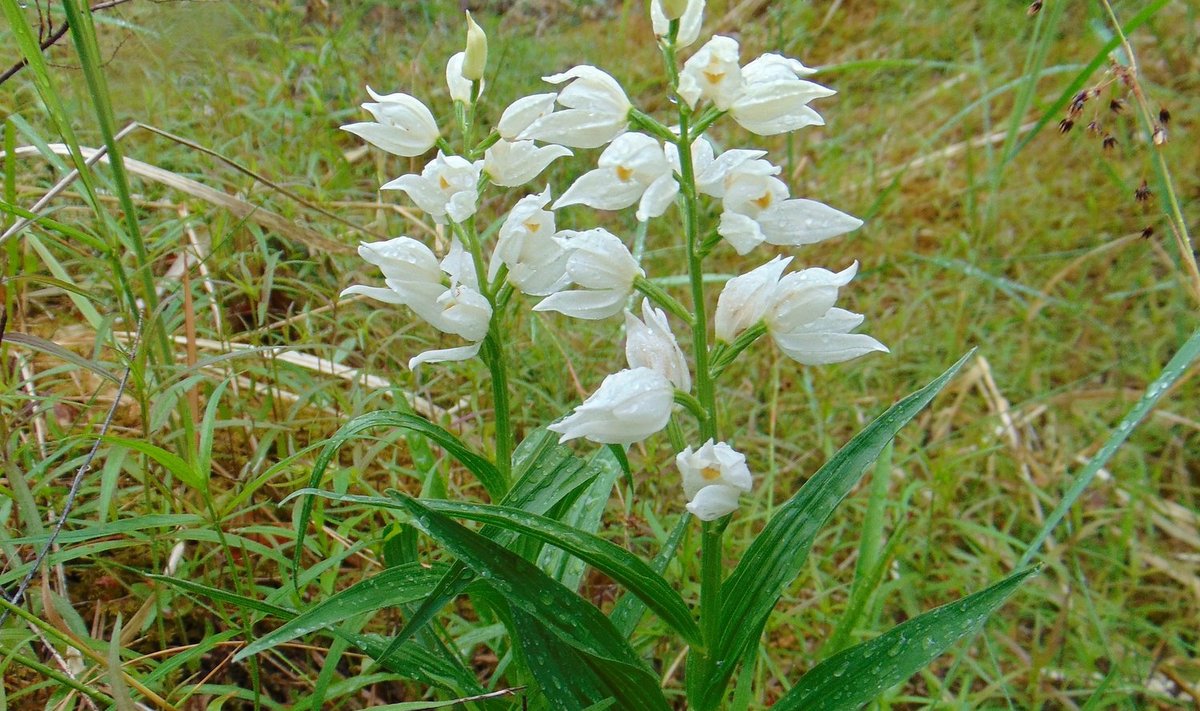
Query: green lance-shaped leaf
{"type": "Point", "coordinates": [614, 561]}
{"type": "Point", "coordinates": [567, 616]}
{"type": "Point", "coordinates": [173, 463]}
{"type": "Point", "coordinates": [484, 470]}
{"type": "Point", "coordinates": [776, 556]}
{"type": "Point", "coordinates": [855, 676]}
{"type": "Point", "coordinates": [394, 586]}
{"type": "Point", "coordinates": [547, 473]}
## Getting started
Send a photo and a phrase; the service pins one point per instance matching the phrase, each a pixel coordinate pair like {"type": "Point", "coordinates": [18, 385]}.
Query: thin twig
{"type": "Point", "coordinates": [53, 38]}
{"type": "Point", "coordinates": [68, 505]}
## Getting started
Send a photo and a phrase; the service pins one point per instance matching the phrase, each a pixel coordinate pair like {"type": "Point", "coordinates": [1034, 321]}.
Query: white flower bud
{"type": "Point", "coordinates": [476, 53]}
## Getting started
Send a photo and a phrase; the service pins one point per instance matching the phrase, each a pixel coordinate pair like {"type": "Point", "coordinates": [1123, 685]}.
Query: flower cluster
{"type": "Point", "coordinates": [590, 273]}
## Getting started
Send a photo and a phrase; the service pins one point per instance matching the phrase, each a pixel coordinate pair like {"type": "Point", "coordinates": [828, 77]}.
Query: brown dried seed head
{"type": "Point", "coordinates": [1034, 7]}
{"type": "Point", "coordinates": [1109, 142]}
{"type": "Point", "coordinates": [1148, 232]}
{"type": "Point", "coordinates": [1164, 116]}
{"type": "Point", "coordinates": [1142, 194]}
{"type": "Point", "coordinates": [1094, 128]}
{"type": "Point", "coordinates": [1116, 106]}
{"type": "Point", "coordinates": [1065, 125]}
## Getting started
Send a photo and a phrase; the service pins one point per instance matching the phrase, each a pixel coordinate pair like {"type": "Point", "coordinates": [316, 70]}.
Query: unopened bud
{"type": "Point", "coordinates": [673, 9]}
{"type": "Point", "coordinates": [476, 60]}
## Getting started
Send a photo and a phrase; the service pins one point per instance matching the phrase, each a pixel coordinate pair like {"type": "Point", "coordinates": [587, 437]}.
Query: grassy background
{"type": "Point", "coordinates": [1033, 255]}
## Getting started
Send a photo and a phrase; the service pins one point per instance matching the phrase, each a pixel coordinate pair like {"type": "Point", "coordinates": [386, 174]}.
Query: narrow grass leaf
{"type": "Point", "coordinates": [173, 463]}
{"type": "Point", "coordinates": [563, 676]}
{"type": "Point", "coordinates": [776, 556]}
{"type": "Point", "coordinates": [568, 616]}
{"type": "Point", "coordinates": [585, 514]}
{"type": "Point", "coordinates": [855, 676]}
{"type": "Point", "coordinates": [628, 611]}
{"type": "Point", "coordinates": [52, 348]}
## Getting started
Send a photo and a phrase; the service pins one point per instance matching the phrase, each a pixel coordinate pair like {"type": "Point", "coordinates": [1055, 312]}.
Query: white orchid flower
{"type": "Point", "coordinates": [512, 163]}
{"type": "Point", "coordinates": [448, 188]}
{"type": "Point", "coordinates": [712, 73]}
{"type": "Point", "coordinates": [403, 125]}
{"type": "Point", "coordinates": [757, 208]}
{"type": "Point", "coordinates": [828, 339]}
{"type": "Point", "coordinates": [414, 278]}
{"type": "Point", "coordinates": [689, 21]}
{"type": "Point", "coordinates": [649, 343]}
{"type": "Point", "coordinates": [803, 322]}
{"type": "Point", "coordinates": [628, 407]}
{"type": "Point", "coordinates": [714, 477]}
{"type": "Point", "coordinates": [537, 263]}
{"type": "Point", "coordinates": [633, 168]}
{"type": "Point", "coordinates": [744, 299]}
{"type": "Point", "coordinates": [521, 113]}
{"type": "Point", "coordinates": [774, 99]}
{"type": "Point", "coordinates": [597, 110]}
{"type": "Point", "coordinates": [599, 262]}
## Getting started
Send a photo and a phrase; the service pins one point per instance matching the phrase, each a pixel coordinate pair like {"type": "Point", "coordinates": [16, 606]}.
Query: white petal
{"type": "Point", "coordinates": [523, 112]}
{"type": "Point", "coordinates": [711, 179]}
{"type": "Point", "coordinates": [592, 90]}
{"type": "Point", "coordinates": [601, 189]}
{"type": "Point", "coordinates": [445, 355]}
{"type": "Point", "coordinates": [628, 407]}
{"type": "Point", "coordinates": [576, 128]}
{"type": "Point", "coordinates": [460, 86]}
{"type": "Point", "coordinates": [689, 22]}
{"type": "Point", "coordinates": [649, 343]}
{"type": "Point", "coordinates": [424, 193]}
{"type": "Point", "coordinates": [774, 67]}
{"type": "Point", "coordinates": [745, 298]}
{"type": "Point", "coordinates": [825, 348]}
{"type": "Point", "coordinates": [741, 231]}
{"type": "Point", "coordinates": [658, 197]}
{"type": "Point", "coordinates": [373, 292]}
{"type": "Point", "coordinates": [713, 502]}
{"type": "Point", "coordinates": [513, 163]}
{"type": "Point", "coordinates": [799, 221]}
{"type": "Point", "coordinates": [392, 139]}
{"type": "Point", "coordinates": [592, 304]}
{"type": "Point", "coordinates": [776, 107]}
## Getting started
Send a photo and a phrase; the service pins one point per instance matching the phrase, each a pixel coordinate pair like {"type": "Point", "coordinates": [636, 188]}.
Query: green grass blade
{"type": "Point", "coordinates": [614, 561]}
{"type": "Point", "coordinates": [487, 473]}
{"type": "Point", "coordinates": [567, 616]}
{"type": "Point", "coordinates": [175, 464]}
{"type": "Point", "coordinates": [628, 611]}
{"type": "Point", "coordinates": [1173, 371]}
{"type": "Point", "coordinates": [775, 558]}
{"type": "Point", "coordinates": [585, 514]}
{"type": "Point", "coordinates": [394, 586]}
{"type": "Point", "coordinates": [853, 677]}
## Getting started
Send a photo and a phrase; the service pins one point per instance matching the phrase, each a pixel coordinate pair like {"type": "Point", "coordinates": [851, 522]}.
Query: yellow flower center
{"type": "Point", "coordinates": [443, 183]}
{"type": "Point", "coordinates": [764, 201]}
{"type": "Point", "coordinates": [714, 77]}
{"type": "Point", "coordinates": [624, 174]}
{"type": "Point", "coordinates": [710, 473]}
{"type": "Point", "coordinates": [533, 226]}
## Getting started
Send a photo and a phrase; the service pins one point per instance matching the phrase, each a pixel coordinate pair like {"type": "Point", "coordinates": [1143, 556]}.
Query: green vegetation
{"type": "Point", "coordinates": [986, 227]}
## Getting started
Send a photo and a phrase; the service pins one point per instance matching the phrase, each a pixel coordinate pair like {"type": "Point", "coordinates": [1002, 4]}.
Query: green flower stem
{"type": "Point", "coordinates": [492, 139]}
{"type": "Point", "coordinates": [660, 296]}
{"type": "Point", "coordinates": [692, 404]}
{"type": "Point", "coordinates": [724, 354]}
{"type": "Point", "coordinates": [708, 118]}
{"type": "Point", "coordinates": [651, 125]}
{"type": "Point", "coordinates": [711, 545]}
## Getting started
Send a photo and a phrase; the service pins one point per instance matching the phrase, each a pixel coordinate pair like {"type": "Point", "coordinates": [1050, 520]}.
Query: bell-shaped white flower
{"type": "Point", "coordinates": [448, 188]}
{"type": "Point", "coordinates": [628, 407]}
{"type": "Point", "coordinates": [744, 300]}
{"type": "Point", "coordinates": [712, 73]}
{"type": "Point", "coordinates": [597, 110]}
{"type": "Point", "coordinates": [689, 21]}
{"type": "Point", "coordinates": [774, 99]}
{"type": "Point", "coordinates": [537, 263]}
{"type": "Point", "coordinates": [828, 339]}
{"type": "Point", "coordinates": [803, 322]}
{"type": "Point", "coordinates": [649, 343]}
{"type": "Point", "coordinates": [521, 113]}
{"type": "Point", "coordinates": [757, 208]}
{"type": "Point", "coordinates": [599, 262]}
{"type": "Point", "coordinates": [632, 168]}
{"type": "Point", "coordinates": [403, 125]}
{"type": "Point", "coordinates": [512, 163]}
{"type": "Point", "coordinates": [414, 278]}
{"type": "Point", "coordinates": [714, 476]}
